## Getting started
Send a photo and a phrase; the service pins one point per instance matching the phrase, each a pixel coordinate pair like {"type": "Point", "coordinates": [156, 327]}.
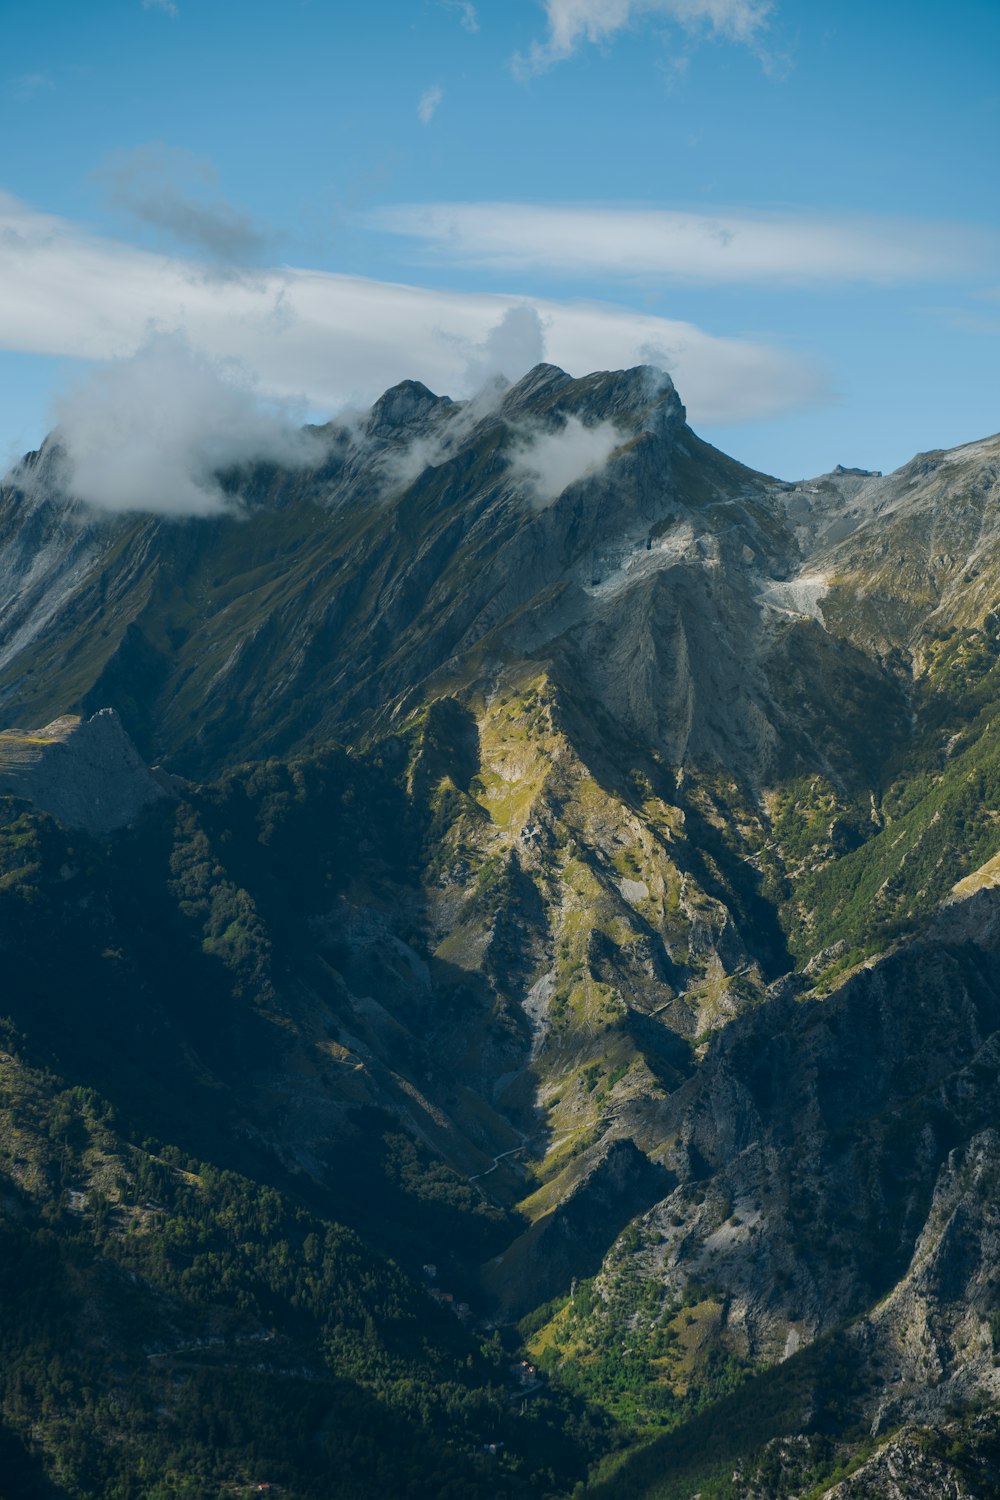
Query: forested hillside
{"type": "Point", "coordinates": [506, 1003]}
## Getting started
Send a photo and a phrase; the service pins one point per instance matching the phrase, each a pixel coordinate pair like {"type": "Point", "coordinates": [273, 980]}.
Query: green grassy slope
{"type": "Point", "coordinates": [182, 1313]}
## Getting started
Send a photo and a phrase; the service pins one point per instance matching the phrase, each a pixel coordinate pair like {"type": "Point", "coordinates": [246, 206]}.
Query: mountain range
{"type": "Point", "coordinates": [500, 936]}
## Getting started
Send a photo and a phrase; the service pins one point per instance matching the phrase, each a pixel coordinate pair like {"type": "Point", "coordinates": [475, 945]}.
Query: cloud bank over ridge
{"type": "Point", "coordinates": [338, 340]}
{"type": "Point", "coordinates": [152, 432]}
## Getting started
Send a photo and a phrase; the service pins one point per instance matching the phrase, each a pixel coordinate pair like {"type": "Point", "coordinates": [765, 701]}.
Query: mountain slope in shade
{"type": "Point", "coordinates": [631, 959]}
{"type": "Point", "coordinates": [335, 599]}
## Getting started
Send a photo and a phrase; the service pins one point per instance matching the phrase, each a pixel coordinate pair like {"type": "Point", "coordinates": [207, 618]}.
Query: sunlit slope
{"type": "Point", "coordinates": [335, 600]}
{"type": "Point", "coordinates": [630, 959]}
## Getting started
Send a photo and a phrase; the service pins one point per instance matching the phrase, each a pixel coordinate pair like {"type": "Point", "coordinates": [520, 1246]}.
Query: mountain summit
{"type": "Point", "coordinates": [575, 903]}
{"type": "Point", "coordinates": [557, 523]}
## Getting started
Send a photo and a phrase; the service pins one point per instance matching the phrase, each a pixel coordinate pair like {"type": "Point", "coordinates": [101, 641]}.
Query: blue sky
{"type": "Point", "coordinates": [794, 206]}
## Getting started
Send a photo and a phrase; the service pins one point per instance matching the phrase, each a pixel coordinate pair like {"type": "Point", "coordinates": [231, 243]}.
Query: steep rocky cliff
{"type": "Point", "coordinates": [86, 773]}
{"type": "Point", "coordinates": [422, 552]}
{"type": "Point", "coordinates": [632, 961]}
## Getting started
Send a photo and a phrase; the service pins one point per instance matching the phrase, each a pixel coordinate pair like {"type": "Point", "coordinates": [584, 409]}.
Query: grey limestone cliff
{"type": "Point", "coordinates": [85, 772]}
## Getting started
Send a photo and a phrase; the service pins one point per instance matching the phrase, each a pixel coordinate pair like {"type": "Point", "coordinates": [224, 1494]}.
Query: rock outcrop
{"type": "Point", "coordinates": [85, 772]}
{"type": "Point", "coordinates": [915, 1465]}
{"type": "Point", "coordinates": [611, 941]}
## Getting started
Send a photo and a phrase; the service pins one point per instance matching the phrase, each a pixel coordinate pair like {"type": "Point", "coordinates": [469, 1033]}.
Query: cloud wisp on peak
{"type": "Point", "coordinates": [544, 464]}
{"type": "Point", "coordinates": [152, 432]}
{"type": "Point", "coordinates": [509, 350]}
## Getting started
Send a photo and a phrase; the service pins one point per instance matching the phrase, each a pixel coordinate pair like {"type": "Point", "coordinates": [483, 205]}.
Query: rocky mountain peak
{"type": "Point", "coordinates": [841, 469]}
{"type": "Point", "coordinates": [642, 399]}
{"type": "Point", "coordinates": [402, 406]}
{"type": "Point", "coordinates": [600, 963]}
{"type": "Point", "coordinates": [39, 465]}
{"type": "Point", "coordinates": [541, 382]}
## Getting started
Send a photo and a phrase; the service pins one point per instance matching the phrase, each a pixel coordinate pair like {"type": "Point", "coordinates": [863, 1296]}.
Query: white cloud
{"type": "Point", "coordinates": [466, 13]}
{"type": "Point", "coordinates": [151, 432]}
{"type": "Point", "coordinates": [429, 101]}
{"type": "Point", "coordinates": [167, 6]}
{"type": "Point", "coordinates": [574, 21]}
{"type": "Point", "coordinates": [729, 246]}
{"type": "Point", "coordinates": [509, 350]}
{"type": "Point", "coordinates": [546, 463]}
{"type": "Point", "coordinates": [341, 340]}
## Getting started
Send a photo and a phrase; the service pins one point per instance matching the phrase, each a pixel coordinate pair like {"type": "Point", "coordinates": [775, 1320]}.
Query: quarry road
{"type": "Point", "coordinates": [478, 1176]}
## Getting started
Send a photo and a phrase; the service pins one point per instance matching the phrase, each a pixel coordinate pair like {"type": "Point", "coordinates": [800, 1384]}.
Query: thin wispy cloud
{"type": "Point", "coordinates": [175, 193]}
{"type": "Point", "coordinates": [338, 340]}
{"type": "Point", "coordinates": [466, 13]}
{"type": "Point", "coordinates": [429, 101]}
{"type": "Point", "coordinates": [571, 23]}
{"type": "Point", "coordinates": [167, 6]}
{"type": "Point", "coordinates": [30, 85]}
{"type": "Point", "coordinates": [669, 244]}
{"type": "Point", "coordinates": [967, 319]}
{"type": "Point", "coordinates": [509, 350]}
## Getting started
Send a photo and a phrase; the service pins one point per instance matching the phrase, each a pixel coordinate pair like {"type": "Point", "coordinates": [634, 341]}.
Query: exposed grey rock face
{"type": "Point", "coordinates": [815, 1148]}
{"type": "Point", "coordinates": [403, 406]}
{"type": "Point", "coordinates": [412, 545]}
{"type": "Point", "coordinates": [702, 603]}
{"type": "Point", "coordinates": [613, 709]}
{"type": "Point", "coordinates": [932, 1338]}
{"type": "Point", "coordinates": [682, 607]}
{"type": "Point", "coordinates": [85, 772]}
{"type": "Point", "coordinates": [47, 549]}
{"type": "Point", "coordinates": [907, 1468]}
